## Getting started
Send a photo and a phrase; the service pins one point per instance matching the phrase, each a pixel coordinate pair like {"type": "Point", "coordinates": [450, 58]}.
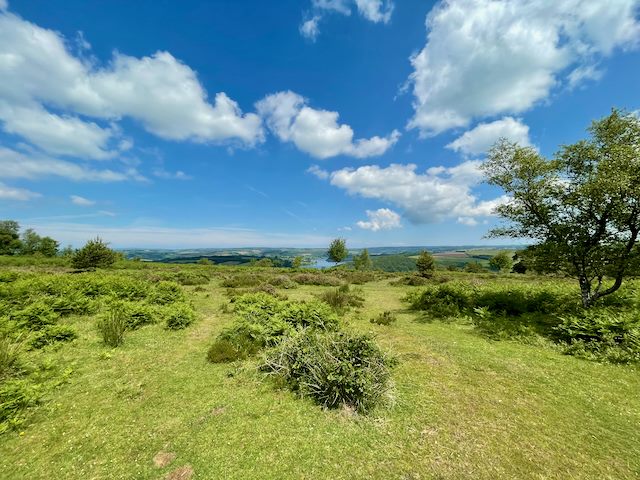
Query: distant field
{"type": "Point", "coordinates": [462, 405]}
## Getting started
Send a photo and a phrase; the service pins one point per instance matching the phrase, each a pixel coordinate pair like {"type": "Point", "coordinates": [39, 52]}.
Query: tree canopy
{"type": "Point", "coordinates": [337, 250]}
{"type": "Point", "coordinates": [363, 261]}
{"type": "Point", "coordinates": [425, 264]}
{"type": "Point", "coordinates": [582, 207]}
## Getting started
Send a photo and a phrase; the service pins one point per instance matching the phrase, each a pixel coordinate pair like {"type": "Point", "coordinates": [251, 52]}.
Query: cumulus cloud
{"type": "Point", "coordinates": [381, 219]}
{"type": "Point", "coordinates": [376, 11]}
{"type": "Point", "coordinates": [55, 134]}
{"type": "Point", "coordinates": [309, 29]}
{"type": "Point", "coordinates": [81, 201]}
{"type": "Point", "coordinates": [317, 132]}
{"type": "Point", "coordinates": [318, 172]}
{"type": "Point", "coordinates": [488, 57]}
{"type": "Point", "coordinates": [478, 140]}
{"type": "Point", "coordinates": [428, 197]}
{"type": "Point", "coordinates": [20, 194]}
{"type": "Point", "coordinates": [14, 164]}
{"type": "Point", "coordinates": [161, 93]}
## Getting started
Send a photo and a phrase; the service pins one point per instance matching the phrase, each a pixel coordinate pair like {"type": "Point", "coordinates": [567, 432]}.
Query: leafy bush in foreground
{"type": "Point", "coordinates": [53, 334]}
{"type": "Point", "coordinates": [179, 316]}
{"type": "Point", "coordinates": [16, 396]}
{"type": "Point", "coordinates": [333, 368]}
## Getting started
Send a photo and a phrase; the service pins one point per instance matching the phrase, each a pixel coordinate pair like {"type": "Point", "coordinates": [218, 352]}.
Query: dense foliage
{"type": "Point", "coordinates": [582, 207]}
{"type": "Point", "coordinates": [337, 250]}
{"type": "Point", "coordinates": [95, 254]}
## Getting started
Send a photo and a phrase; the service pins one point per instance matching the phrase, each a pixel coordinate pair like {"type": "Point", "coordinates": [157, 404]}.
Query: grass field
{"type": "Point", "coordinates": [462, 406]}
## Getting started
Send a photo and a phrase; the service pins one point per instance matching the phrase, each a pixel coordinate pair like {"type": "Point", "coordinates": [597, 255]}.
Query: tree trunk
{"type": "Point", "coordinates": [585, 290]}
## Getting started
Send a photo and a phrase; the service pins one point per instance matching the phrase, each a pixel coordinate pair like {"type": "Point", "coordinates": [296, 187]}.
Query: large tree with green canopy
{"type": "Point", "coordinates": [581, 208]}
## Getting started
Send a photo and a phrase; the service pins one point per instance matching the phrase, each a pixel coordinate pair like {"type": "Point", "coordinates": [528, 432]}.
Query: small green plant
{"type": "Point", "coordinates": [333, 368]}
{"type": "Point", "coordinates": [342, 298]}
{"type": "Point", "coordinates": [113, 325]}
{"type": "Point", "coordinates": [166, 292]}
{"type": "Point", "coordinates": [385, 318]}
{"type": "Point", "coordinates": [16, 396]}
{"type": "Point", "coordinates": [10, 351]}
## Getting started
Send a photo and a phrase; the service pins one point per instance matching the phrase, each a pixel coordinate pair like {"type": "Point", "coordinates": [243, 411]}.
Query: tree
{"type": "Point", "coordinates": [473, 267]}
{"type": "Point", "coordinates": [297, 262]}
{"type": "Point", "coordinates": [582, 208]}
{"type": "Point", "coordinates": [337, 250]}
{"type": "Point", "coordinates": [48, 247]}
{"type": "Point", "coordinates": [425, 264]}
{"type": "Point", "coordinates": [9, 237]}
{"type": "Point", "coordinates": [30, 242]}
{"type": "Point", "coordinates": [501, 262]}
{"type": "Point", "coordinates": [95, 254]}
{"type": "Point", "coordinates": [363, 261]}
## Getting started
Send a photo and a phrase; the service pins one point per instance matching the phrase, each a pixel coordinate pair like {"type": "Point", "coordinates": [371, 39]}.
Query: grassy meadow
{"type": "Point", "coordinates": [480, 392]}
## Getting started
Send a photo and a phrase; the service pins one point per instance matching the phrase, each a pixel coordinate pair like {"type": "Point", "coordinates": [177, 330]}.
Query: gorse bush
{"type": "Point", "coordinates": [333, 368]}
{"type": "Point", "coordinates": [113, 325]}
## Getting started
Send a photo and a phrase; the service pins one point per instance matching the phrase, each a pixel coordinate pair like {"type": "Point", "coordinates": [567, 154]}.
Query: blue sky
{"type": "Point", "coordinates": [253, 123]}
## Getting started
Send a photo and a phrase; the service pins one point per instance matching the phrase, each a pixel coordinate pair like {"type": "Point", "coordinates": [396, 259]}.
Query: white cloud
{"type": "Point", "coordinates": [81, 201]}
{"type": "Point", "coordinates": [583, 74]}
{"type": "Point", "coordinates": [309, 29]}
{"type": "Point", "coordinates": [158, 91]}
{"type": "Point", "coordinates": [375, 10]}
{"type": "Point", "coordinates": [20, 194]}
{"type": "Point", "coordinates": [166, 175]}
{"type": "Point", "coordinates": [318, 172]}
{"type": "Point", "coordinates": [15, 164]}
{"type": "Point", "coordinates": [435, 195]}
{"type": "Point", "coordinates": [381, 219]}
{"type": "Point", "coordinates": [487, 57]}
{"type": "Point", "coordinates": [468, 221]}
{"type": "Point", "coordinates": [478, 140]}
{"type": "Point", "coordinates": [57, 135]}
{"type": "Point", "coordinates": [4, 5]}
{"type": "Point", "coordinates": [317, 132]}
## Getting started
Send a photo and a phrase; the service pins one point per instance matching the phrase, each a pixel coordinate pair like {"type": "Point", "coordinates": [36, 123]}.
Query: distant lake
{"type": "Point", "coordinates": [321, 263]}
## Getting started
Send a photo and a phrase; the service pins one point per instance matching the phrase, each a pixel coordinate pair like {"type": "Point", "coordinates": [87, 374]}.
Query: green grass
{"type": "Point", "coordinates": [462, 407]}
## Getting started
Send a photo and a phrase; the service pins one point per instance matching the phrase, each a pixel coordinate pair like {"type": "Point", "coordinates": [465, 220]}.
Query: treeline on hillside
{"type": "Point", "coordinates": [12, 242]}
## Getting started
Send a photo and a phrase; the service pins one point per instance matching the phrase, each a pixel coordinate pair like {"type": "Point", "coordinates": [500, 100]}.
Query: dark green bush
{"type": "Point", "coordinates": [178, 316]}
{"type": "Point", "coordinates": [51, 335]}
{"type": "Point", "coordinates": [316, 315]}
{"type": "Point", "coordinates": [335, 369]}
{"type": "Point", "coordinates": [385, 318]}
{"type": "Point", "coordinates": [35, 316]}
{"type": "Point", "coordinates": [192, 278]}
{"type": "Point", "coordinates": [165, 293]}
{"type": "Point", "coordinates": [442, 301]}
{"type": "Point", "coordinates": [95, 254]}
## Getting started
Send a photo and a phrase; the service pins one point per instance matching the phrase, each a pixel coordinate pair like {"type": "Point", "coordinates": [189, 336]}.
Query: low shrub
{"type": "Point", "coordinates": [113, 325]}
{"type": "Point", "coordinates": [35, 316]}
{"type": "Point", "coordinates": [243, 280]}
{"type": "Point", "coordinates": [192, 278]}
{"type": "Point", "coordinates": [316, 315]}
{"type": "Point", "coordinates": [385, 318]}
{"type": "Point", "coordinates": [282, 281]}
{"type": "Point", "coordinates": [16, 396]}
{"type": "Point", "coordinates": [166, 293]}
{"type": "Point", "coordinates": [51, 335]}
{"type": "Point", "coordinates": [442, 301]}
{"type": "Point", "coordinates": [335, 369]}
{"type": "Point", "coordinates": [411, 280]}
{"type": "Point", "coordinates": [342, 298]}
{"type": "Point", "coordinates": [178, 316]}
{"type": "Point", "coordinates": [356, 277]}
{"type": "Point", "coordinates": [317, 279]}
{"type": "Point", "coordinates": [601, 334]}
{"type": "Point", "coordinates": [224, 350]}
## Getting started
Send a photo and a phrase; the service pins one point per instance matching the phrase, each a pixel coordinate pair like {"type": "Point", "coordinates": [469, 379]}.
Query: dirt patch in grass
{"type": "Point", "coordinates": [181, 473]}
{"type": "Point", "coordinates": [162, 459]}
